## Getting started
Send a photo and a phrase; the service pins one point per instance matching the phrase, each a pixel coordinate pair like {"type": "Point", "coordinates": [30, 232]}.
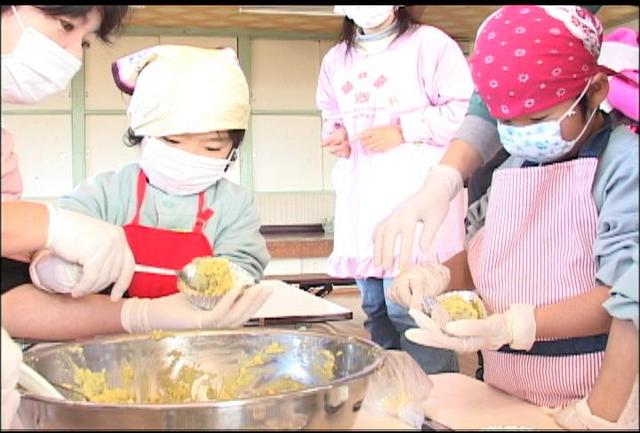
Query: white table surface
{"type": "Point", "coordinates": [462, 402]}
{"type": "Point", "coordinates": [289, 303]}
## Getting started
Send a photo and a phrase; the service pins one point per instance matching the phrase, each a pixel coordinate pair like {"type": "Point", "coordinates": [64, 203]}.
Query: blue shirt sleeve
{"type": "Point", "coordinates": [615, 192]}
{"type": "Point", "coordinates": [478, 108]}
{"type": "Point", "coordinates": [479, 129]}
{"type": "Point", "coordinates": [623, 300]}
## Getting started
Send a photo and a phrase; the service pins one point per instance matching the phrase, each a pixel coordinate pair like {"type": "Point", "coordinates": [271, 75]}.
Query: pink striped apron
{"type": "Point", "coordinates": [536, 247]}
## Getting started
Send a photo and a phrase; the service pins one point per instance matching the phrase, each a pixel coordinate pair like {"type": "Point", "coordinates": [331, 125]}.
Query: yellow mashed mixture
{"type": "Point", "coordinates": [158, 334]}
{"type": "Point", "coordinates": [397, 402]}
{"type": "Point", "coordinates": [326, 370]}
{"type": "Point", "coordinates": [94, 385]}
{"type": "Point", "coordinates": [233, 385]}
{"type": "Point", "coordinates": [175, 386]}
{"type": "Point", "coordinates": [214, 276]}
{"type": "Point", "coordinates": [459, 308]}
{"type": "Point", "coordinates": [279, 386]}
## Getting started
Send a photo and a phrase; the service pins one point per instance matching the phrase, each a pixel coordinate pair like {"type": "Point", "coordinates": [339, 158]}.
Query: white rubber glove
{"type": "Point", "coordinates": [175, 312]}
{"type": "Point", "coordinates": [410, 287]}
{"type": "Point", "coordinates": [53, 274]}
{"type": "Point", "coordinates": [11, 361]}
{"type": "Point", "coordinates": [99, 247]}
{"type": "Point", "coordinates": [515, 327]}
{"type": "Point", "coordinates": [578, 416]}
{"type": "Point", "coordinates": [429, 205]}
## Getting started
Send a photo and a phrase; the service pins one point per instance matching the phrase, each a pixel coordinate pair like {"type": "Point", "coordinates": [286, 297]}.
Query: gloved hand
{"type": "Point", "coordinates": [175, 312]}
{"type": "Point", "coordinates": [515, 327]}
{"type": "Point", "coordinates": [99, 247]}
{"type": "Point", "coordinates": [429, 205]}
{"type": "Point", "coordinates": [578, 416]}
{"type": "Point", "coordinates": [338, 143]}
{"type": "Point", "coordinates": [11, 361]}
{"type": "Point", "coordinates": [53, 274]}
{"type": "Point", "coordinates": [410, 287]}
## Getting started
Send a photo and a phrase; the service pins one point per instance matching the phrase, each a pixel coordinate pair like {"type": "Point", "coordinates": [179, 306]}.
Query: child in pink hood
{"type": "Point", "coordinates": [620, 53]}
{"type": "Point", "coordinates": [391, 93]}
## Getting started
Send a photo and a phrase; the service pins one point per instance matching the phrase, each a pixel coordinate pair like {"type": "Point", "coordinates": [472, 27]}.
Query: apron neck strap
{"type": "Point", "coordinates": [203, 215]}
{"type": "Point", "coordinates": [140, 191]}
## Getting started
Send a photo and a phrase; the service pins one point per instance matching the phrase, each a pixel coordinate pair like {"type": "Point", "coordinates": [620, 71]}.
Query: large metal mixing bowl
{"type": "Point", "coordinates": [323, 403]}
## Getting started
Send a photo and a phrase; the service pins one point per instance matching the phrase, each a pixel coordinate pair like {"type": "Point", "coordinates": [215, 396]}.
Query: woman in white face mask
{"type": "Point", "coordinates": [392, 93]}
{"type": "Point", "coordinates": [189, 110]}
{"type": "Point", "coordinates": [41, 51]}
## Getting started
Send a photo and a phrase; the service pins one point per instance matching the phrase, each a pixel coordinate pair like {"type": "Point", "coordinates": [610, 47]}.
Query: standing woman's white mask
{"type": "Point", "coordinates": [366, 17]}
{"type": "Point", "coordinates": [177, 171]}
{"type": "Point", "coordinates": [37, 67]}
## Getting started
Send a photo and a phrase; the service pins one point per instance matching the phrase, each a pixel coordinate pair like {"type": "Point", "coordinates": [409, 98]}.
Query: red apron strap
{"type": "Point", "coordinates": [203, 215]}
{"type": "Point", "coordinates": [141, 188]}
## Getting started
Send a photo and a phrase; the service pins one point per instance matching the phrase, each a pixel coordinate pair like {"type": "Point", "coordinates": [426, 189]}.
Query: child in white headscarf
{"type": "Point", "coordinates": [189, 109]}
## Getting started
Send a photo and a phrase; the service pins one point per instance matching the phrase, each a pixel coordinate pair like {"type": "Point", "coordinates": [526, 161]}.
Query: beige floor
{"type": "Point", "coordinates": [349, 297]}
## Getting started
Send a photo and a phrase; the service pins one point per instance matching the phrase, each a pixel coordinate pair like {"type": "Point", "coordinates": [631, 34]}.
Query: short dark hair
{"type": "Point", "coordinates": [406, 22]}
{"type": "Point", "coordinates": [113, 17]}
{"type": "Point", "coordinates": [584, 107]}
{"type": "Point", "coordinates": [130, 139]}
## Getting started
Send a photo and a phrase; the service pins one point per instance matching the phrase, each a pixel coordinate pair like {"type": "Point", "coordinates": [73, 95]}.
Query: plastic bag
{"type": "Point", "coordinates": [399, 389]}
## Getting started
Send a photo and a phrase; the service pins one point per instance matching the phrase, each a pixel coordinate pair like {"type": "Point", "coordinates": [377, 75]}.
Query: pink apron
{"type": "Point", "coordinates": [537, 248]}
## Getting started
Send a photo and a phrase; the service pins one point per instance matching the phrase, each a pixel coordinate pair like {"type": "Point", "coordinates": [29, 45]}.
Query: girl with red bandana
{"type": "Point", "coordinates": [559, 224]}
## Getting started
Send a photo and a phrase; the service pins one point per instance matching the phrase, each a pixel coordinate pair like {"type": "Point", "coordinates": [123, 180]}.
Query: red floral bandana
{"type": "Point", "coordinates": [530, 58]}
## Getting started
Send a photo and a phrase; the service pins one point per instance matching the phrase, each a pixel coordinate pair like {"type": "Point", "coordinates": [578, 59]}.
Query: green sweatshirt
{"type": "Point", "coordinates": [233, 230]}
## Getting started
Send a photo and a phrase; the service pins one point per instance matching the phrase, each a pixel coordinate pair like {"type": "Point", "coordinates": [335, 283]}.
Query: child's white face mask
{"type": "Point", "coordinates": [179, 172]}
{"type": "Point", "coordinates": [541, 142]}
{"type": "Point", "coordinates": [368, 17]}
{"type": "Point", "coordinates": [37, 68]}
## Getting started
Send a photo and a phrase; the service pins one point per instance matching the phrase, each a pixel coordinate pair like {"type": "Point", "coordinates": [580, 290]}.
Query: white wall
{"type": "Point", "coordinates": [633, 24]}
{"type": "Point", "coordinates": [290, 169]}
{"type": "Point", "coordinates": [43, 146]}
{"type": "Point", "coordinates": [291, 172]}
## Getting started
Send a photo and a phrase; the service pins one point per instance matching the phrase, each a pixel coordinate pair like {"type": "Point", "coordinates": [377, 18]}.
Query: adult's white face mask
{"type": "Point", "coordinates": [368, 17]}
{"type": "Point", "coordinates": [37, 68]}
{"type": "Point", "coordinates": [179, 172]}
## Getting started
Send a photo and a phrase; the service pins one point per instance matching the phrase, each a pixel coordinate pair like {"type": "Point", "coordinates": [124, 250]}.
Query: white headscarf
{"type": "Point", "coordinates": [180, 89]}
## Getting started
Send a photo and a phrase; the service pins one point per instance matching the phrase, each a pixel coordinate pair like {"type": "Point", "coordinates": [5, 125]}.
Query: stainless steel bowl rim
{"type": "Point", "coordinates": [221, 403]}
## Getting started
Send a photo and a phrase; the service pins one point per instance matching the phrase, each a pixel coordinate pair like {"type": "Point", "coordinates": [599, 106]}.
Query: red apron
{"type": "Point", "coordinates": [163, 248]}
{"type": "Point", "coordinates": [536, 247]}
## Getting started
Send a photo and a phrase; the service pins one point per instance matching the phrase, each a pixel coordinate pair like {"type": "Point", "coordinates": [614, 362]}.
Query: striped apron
{"type": "Point", "coordinates": [536, 248]}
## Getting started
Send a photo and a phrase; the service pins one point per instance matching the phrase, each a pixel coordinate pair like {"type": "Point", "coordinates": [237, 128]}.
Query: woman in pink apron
{"type": "Point", "coordinates": [558, 226]}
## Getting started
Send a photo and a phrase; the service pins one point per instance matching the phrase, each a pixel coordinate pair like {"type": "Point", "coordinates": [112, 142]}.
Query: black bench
{"type": "Point", "coordinates": [317, 284]}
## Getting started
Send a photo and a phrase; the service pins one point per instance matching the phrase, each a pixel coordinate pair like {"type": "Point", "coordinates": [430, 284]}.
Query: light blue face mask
{"type": "Point", "coordinates": [541, 142]}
